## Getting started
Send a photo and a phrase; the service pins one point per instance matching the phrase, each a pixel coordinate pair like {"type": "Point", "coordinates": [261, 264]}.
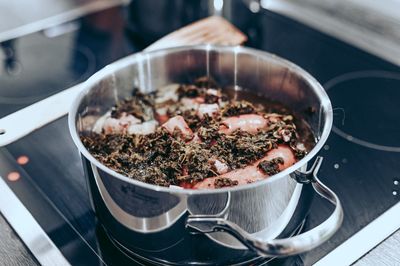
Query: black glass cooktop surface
{"type": "Point", "coordinates": [39, 65]}
{"type": "Point", "coordinates": [361, 155]}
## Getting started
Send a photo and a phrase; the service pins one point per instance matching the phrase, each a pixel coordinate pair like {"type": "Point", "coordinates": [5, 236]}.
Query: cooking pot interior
{"type": "Point", "coordinates": [234, 67]}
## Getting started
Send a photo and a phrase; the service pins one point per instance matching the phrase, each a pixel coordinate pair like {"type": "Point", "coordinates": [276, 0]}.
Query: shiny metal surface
{"type": "Point", "coordinates": [132, 210]}
{"type": "Point", "coordinates": [59, 103]}
{"type": "Point", "coordinates": [17, 18]}
{"type": "Point", "coordinates": [368, 246]}
{"type": "Point", "coordinates": [278, 247]}
{"type": "Point", "coordinates": [350, 21]}
{"type": "Point", "coordinates": [27, 228]}
{"type": "Point", "coordinates": [123, 211]}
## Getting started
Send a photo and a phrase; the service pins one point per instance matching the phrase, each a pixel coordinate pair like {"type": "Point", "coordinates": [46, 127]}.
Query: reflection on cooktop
{"type": "Point", "coordinates": [113, 254]}
{"type": "Point", "coordinates": [36, 66]}
{"type": "Point", "coordinates": [44, 66]}
{"type": "Point", "coordinates": [366, 109]}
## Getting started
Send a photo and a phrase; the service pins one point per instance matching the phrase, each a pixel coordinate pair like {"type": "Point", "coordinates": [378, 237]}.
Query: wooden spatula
{"type": "Point", "coordinates": [211, 30]}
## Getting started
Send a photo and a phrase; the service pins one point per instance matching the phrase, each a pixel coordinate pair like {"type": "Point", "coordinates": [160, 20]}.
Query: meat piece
{"type": "Point", "coordinates": [249, 122]}
{"type": "Point", "coordinates": [125, 124]}
{"type": "Point", "coordinates": [209, 109]}
{"type": "Point", "coordinates": [161, 115]}
{"type": "Point", "coordinates": [251, 173]}
{"type": "Point", "coordinates": [144, 128]}
{"type": "Point", "coordinates": [177, 122]}
{"type": "Point", "coordinates": [245, 175]}
{"type": "Point", "coordinates": [191, 103]}
{"type": "Point", "coordinates": [220, 167]}
{"type": "Point", "coordinates": [119, 125]}
{"type": "Point", "coordinates": [112, 125]}
{"type": "Point", "coordinates": [98, 126]}
{"type": "Point", "coordinates": [162, 118]}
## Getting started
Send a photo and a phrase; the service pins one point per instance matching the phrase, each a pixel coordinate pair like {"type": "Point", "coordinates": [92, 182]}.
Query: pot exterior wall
{"type": "Point", "coordinates": [145, 221]}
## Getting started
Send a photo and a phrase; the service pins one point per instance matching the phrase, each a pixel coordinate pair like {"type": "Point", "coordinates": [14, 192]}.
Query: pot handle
{"type": "Point", "coordinates": [285, 246]}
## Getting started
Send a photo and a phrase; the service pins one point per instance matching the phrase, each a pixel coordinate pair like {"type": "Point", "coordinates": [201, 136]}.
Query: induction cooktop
{"type": "Point", "coordinates": [43, 170]}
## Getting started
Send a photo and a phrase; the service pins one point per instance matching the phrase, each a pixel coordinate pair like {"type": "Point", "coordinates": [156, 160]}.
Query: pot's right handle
{"type": "Point", "coordinates": [279, 247]}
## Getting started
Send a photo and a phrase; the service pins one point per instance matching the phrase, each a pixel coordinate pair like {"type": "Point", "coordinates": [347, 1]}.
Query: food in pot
{"type": "Point", "coordinates": [197, 136]}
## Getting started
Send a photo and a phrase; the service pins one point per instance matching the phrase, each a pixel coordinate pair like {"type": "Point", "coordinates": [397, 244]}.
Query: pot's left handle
{"type": "Point", "coordinates": [279, 247]}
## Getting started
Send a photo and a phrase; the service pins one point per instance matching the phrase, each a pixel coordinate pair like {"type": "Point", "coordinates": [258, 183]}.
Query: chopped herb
{"type": "Point", "coordinates": [238, 108]}
{"type": "Point", "coordinates": [270, 167]}
{"type": "Point", "coordinates": [225, 182]}
{"type": "Point", "coordinates": [211, 98]}
{"type": "Point", "coordinates": [139, 105]}
{"type": "Point", "coordinates": [190, 91]}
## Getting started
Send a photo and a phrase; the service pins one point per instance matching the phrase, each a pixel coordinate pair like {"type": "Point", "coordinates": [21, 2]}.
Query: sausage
{"type": "Point", "coordinates": [251, 173]}
{"type": "Point", "coordinates": [250, 123]}
{"type": "Point", "coordinates": [284, 152]}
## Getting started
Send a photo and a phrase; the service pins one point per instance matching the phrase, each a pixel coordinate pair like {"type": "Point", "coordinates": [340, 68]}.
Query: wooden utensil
{"type": "Point", "coordinates": [211, 30]}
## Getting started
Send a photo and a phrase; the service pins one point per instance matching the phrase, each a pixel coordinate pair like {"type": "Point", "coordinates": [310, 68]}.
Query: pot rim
{"type": "Point", "coordinates": [88, 85]}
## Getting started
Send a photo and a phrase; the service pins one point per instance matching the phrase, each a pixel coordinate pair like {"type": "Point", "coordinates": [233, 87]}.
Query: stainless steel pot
{"type": "Point", "coordinates": [148, 219]}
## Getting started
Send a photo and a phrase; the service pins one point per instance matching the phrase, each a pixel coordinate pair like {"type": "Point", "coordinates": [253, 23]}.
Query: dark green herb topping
{"type": "Point", "coordinates": [238, 108]}
{"type": "Point", "coordinates": [242, 148]}
{"type": "Point", "coordinates": [225, 182]}
{"type": "Point", "coordinates": [211, 98]}
{"type": "Point", "coordinates": [140, 106]}
{"type": "Point", "coordinates": [190, 91]}
{"type": "Point", "coordinates": [165, 158]}
{"type": "Point", "coordinates": [270, 167]}
{"type": "Point", "coordinates": [200, 89]}
{"type": "Point", "coordinates": [190, 117]}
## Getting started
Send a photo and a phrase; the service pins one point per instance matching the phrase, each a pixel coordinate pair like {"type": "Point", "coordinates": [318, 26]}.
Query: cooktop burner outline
{"type": "Point", "coordinates": [356, 76]}
{"type": "Point", "coordinates": [79, 51]}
